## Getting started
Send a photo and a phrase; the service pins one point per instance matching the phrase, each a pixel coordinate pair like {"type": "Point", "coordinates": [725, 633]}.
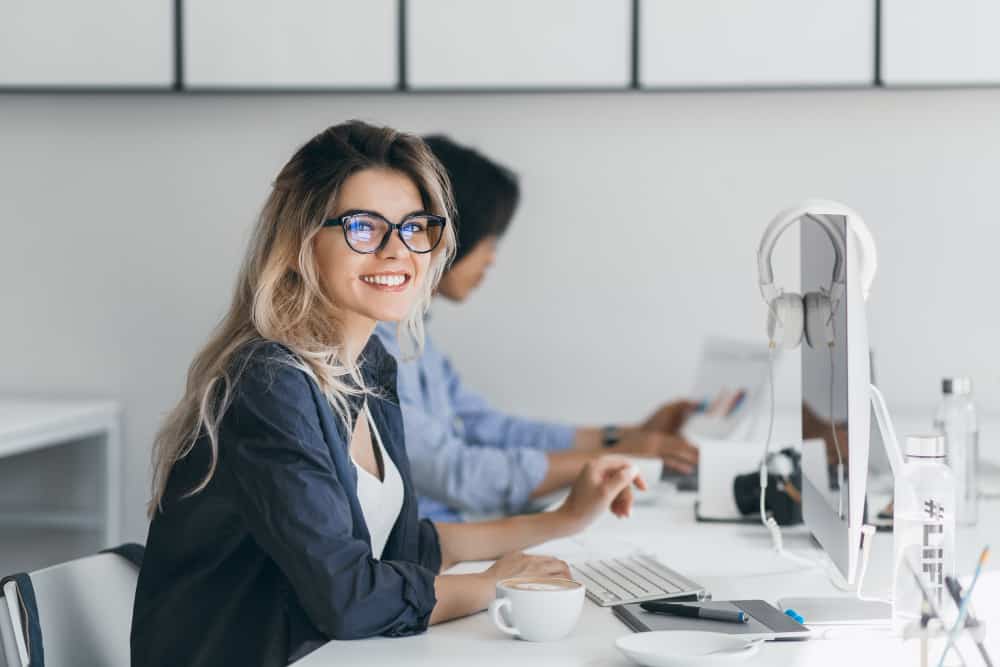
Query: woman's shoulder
{"type": "Point", "coordinates": [272, 391]}
{"type": "Point", "coordinates": [267, 367]}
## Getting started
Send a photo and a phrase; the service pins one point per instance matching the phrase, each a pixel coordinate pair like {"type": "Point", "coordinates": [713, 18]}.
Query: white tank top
{"type": "Point", "coordinates": [381, 500]}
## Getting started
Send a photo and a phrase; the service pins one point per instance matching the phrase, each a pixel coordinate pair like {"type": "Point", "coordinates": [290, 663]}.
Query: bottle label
{"type": "Point", "coordinates": [932, 551]}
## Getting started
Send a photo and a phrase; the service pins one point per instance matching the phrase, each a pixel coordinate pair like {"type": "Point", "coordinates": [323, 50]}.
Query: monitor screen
{"type": "Point", "coordinates": [824, 355]}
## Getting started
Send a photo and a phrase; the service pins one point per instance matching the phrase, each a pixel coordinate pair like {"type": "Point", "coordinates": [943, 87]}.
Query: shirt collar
{"type": "Point", "coordinates": [378, 367]}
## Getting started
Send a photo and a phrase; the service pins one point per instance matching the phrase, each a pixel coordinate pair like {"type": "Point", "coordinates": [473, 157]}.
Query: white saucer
{"type": "Point", "coordinates": [685, 648]}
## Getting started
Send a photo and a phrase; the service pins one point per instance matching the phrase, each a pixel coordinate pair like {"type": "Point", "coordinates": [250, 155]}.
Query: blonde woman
{"type": "Point", "coordinates": [283, 513]}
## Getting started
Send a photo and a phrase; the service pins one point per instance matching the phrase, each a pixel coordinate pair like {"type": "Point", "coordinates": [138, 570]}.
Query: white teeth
{"type": "Point", "coordinates": [388, 280]}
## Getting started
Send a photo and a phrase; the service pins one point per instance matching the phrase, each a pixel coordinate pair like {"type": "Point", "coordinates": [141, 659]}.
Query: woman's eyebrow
{"type": "Point", "coordinates": [356, 211]}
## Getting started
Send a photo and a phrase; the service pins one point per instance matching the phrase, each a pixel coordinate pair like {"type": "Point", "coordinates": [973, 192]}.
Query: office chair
{"type": "Point", "coordinates": [73, 613]}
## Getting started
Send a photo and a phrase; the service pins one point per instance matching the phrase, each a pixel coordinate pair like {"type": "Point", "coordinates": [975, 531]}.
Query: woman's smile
{"type": "Point", "coordinates": [387, 281]}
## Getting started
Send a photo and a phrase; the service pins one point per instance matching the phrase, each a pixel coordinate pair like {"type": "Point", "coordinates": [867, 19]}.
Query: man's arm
{"type": "Point", "coordinates": [445, 468]}
{"type": "Point", "coordinates": [486, 426]}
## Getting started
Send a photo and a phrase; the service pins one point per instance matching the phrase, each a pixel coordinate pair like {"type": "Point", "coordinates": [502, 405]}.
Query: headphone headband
{"type": "Point", "coordinates": [817, 211]}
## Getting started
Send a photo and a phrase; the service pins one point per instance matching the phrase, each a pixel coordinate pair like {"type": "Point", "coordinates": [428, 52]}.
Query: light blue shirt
{"type": "Point", "coordinates": [466, 456]}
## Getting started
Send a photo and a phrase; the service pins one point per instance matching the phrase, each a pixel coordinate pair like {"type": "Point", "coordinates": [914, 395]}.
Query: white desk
{"type": "Point", "coordinates": [43, 441]}
{"type": "Point", "coordinates": [733, 561]}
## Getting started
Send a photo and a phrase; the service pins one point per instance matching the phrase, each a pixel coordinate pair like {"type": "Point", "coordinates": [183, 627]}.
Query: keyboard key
{"type": "Point", "coordinates": [632, 579]}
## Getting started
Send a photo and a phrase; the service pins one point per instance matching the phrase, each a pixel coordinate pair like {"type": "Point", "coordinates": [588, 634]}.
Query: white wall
{"type": "Point", "coordinates": [123, 219]}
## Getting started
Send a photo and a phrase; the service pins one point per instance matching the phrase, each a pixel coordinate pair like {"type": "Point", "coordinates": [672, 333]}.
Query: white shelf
{"type": "Point", "coordinates": [61, 437]}
{"type": "Point", "coordinates": [89, 521]}
{"type": "Point", "coordinates": [27, 423]}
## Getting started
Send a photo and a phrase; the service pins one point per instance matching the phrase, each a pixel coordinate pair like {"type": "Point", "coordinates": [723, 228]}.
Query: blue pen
{"type": "Point", "coordinates": [740, 397]}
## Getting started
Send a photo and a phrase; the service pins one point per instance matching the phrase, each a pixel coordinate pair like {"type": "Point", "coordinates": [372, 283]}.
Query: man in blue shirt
{"type": "Point", "coordinates": [467, 457]}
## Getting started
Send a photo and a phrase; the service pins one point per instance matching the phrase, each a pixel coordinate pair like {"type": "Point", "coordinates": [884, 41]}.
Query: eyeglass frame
{"type": "Point", "coordinates": [393, 227]}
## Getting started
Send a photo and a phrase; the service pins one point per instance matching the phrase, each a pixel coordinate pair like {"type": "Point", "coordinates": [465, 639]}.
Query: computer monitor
{"type": "Point", "coordinates": [836, 415]}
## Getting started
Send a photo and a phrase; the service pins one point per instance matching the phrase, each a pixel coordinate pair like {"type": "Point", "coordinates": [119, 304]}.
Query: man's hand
{"type": "Point", "coordinates": [676, 452]}
{"type": "Point", "coordinates": [670, 418]}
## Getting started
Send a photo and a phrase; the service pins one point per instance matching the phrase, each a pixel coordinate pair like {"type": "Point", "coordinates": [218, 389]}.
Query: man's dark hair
{"type": "Point", "coordinates": [486, 193]}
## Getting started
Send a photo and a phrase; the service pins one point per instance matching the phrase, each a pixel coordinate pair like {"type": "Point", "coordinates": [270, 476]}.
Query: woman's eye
{"type": "Point", "coordinates": [359, 226]}
{"type": "Point", "coordinates": [413, 227]}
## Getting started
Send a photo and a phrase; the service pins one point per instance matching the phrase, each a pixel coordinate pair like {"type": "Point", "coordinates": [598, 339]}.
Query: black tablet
{"type": "Point", "coordinates": [766, 621]}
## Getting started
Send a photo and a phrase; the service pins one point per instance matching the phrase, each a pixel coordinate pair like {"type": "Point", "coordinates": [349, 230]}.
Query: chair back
{"type": "Point", "coordinates": [74, 613]}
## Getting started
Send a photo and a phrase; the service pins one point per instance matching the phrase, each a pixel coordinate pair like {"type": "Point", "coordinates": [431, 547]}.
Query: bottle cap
{"type": "Point", "coordinates": [959, 386]}
{"type": "Point", "coordinates": [925, 446]}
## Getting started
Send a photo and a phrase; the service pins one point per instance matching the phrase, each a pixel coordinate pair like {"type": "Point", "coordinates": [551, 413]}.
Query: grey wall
{"type": "Point", "coordinates": [124, 218]}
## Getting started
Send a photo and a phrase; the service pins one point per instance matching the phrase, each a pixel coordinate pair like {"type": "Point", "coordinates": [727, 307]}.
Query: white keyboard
{"type": "Point", "coordinates": [637, 578]}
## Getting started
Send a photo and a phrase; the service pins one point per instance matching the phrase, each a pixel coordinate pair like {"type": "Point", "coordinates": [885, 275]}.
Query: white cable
{"type": "Point", "coordinates": [779, 546]}
{"type": "Point", "coordinates": [836, 443]}
{"type": "Point", "coordinates": [770, 432]}
{"type": "Point", "coordinates": [769, 522]}
{"type": "Point", "coordinates": [867, 537]}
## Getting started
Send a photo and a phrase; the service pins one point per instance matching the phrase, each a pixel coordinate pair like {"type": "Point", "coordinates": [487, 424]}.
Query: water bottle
{"type": "Point", "coordinates": [923, 527]}
{"type": "Point", "coordinates": [956, 421]}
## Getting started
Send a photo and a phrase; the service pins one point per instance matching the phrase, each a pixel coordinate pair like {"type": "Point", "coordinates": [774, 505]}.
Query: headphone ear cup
{"type": "Point", "coordinates": [819, 319]}
{"type": "Point", "coordinates": [785, 320]}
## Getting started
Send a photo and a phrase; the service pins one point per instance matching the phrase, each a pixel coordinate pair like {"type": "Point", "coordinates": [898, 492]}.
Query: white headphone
{"type": "Point", "coordinates": [791, 316]}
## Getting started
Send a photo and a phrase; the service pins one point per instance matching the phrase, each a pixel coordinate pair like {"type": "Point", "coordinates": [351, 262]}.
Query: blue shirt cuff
{"type": "Point", "coordinates": [534, 465]}
{"type": "Point", "coordinates": [560, 438]}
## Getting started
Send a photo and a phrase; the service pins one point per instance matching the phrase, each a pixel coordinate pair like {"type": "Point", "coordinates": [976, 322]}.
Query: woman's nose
{"type": "Point", "coordinates": [394, 247]}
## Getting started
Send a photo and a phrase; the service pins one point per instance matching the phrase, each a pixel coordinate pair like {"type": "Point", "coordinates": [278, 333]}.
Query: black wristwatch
{"type": "Point", "coordinates": [610, 435]}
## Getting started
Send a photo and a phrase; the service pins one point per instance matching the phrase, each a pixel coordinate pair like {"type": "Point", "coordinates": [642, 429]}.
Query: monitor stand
{"type": "Point", "coordinates": [838, 610]}
{"type": "Point", "coordinates": [852, 609]}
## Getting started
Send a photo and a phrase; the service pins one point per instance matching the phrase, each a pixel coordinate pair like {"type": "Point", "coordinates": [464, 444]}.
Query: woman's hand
{"type": "Point", "coordinates": [604, 483]}
{"type": "Point", "coordinates": [518, 564]}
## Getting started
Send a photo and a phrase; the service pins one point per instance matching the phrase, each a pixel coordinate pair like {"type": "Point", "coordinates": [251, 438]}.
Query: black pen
{"type": "Point", "coordinates": [955, 589]}
{"type": "Point", "coordinates": [675, 609]}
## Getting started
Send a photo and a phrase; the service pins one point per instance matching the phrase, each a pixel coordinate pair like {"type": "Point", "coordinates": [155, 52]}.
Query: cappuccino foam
{"type": "Point", "coordinates": [540, 584]}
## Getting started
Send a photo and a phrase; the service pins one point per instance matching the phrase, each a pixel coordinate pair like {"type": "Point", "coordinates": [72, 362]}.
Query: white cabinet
{"type": "Point", "coordinates": [98, 43]}
{"type": "Point", "coordinates": [518, 44]}
{"type": "Point", "coordinates": [297, 44]}
{"type": "Point", "coordinates": [60, 480]}
{"type": "Point", "coordinates": [706, 43]}
{"type": "Point", "coordinates": [927, 42]}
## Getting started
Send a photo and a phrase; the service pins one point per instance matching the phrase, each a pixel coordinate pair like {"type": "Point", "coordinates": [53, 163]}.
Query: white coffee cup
{"type": "Point", "coordinates": [538, 609]}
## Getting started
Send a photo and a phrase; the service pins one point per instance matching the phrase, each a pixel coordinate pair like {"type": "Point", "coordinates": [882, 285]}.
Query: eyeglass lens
{"type": "Point", "coordinates": [419, 233]}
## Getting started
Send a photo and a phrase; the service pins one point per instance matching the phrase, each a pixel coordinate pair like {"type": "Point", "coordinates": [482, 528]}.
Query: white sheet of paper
{"type": "Point", "coordinates": [719, 463]}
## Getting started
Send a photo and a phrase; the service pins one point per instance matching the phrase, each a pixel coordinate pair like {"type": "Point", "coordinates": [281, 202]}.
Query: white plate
{"type": "Point", "coordinates": [685, 648]}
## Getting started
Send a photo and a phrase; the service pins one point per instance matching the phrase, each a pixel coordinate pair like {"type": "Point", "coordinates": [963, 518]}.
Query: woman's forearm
{"type": "Point", "coordinates": [488, 540]}
{"type": "Point", "coordinates": [460, 595]}
{"type": "Point", "coordinates": [565, 465]}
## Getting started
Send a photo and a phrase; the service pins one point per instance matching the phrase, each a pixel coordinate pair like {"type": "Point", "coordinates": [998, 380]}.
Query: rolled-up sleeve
{"type": "Point", "coordinates": [296, 508]}
{"type": "Point", "coordinates": [429, 546]}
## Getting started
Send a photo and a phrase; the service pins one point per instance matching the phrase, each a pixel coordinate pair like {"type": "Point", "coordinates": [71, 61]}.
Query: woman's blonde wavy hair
{"type": "Point", "coordinates": [278, 295]}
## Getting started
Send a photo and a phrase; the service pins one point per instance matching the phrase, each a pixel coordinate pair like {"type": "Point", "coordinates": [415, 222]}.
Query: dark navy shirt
{"type": "Point", "coordinates": [272, 558]}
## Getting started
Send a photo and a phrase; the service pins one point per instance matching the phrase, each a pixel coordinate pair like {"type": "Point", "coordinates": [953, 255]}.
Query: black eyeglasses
{"type": "Point", "coordinates": [368, 232]}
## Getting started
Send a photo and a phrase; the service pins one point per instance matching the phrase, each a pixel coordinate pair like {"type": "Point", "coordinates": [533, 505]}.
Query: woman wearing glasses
{"type": "Point", "coordinates": [283, 514]}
